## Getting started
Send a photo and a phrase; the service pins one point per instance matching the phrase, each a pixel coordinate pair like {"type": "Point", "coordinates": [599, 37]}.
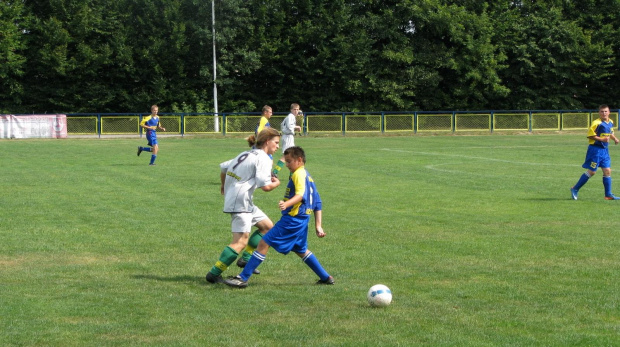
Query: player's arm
{"type": "Point", "coordinates": [613, 137]}
{"type": "Point", "coordinates": [290, 202]}
{"type": "Point", "coordinates": [599, 138]}
{"type": "Point", "coordinates": [318, 223]}
{"type": "Point", "coordinates": [275, 182]}
{"type": "Point", "coordinates": [160, 127]}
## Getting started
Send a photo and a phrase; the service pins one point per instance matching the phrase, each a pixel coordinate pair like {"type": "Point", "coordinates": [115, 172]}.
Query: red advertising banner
{"type": "Point", "coordinates": [33, 126]}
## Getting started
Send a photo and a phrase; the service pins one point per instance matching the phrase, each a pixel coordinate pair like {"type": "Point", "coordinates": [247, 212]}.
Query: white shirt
{"type": "Point", "coordinates": [288, 125]}
{"type": "Point", "coordinates": [248, 171]}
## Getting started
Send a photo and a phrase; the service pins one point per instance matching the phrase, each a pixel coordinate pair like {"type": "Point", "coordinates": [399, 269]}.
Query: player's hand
{"type": "Point", "coordinates": [319, 232]}
{"type": "Point", "coordinates": [222, 189]}
{"type": "Point", "coordinates": [616, 141]}
{"type": "Point", "coordinates": [281, 205]}
{"type": "Point", "coordinates": [164, 129]}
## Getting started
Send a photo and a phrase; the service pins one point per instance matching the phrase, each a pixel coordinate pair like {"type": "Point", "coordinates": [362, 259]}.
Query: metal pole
{"type": "Point", "coordinates": [216, 120]}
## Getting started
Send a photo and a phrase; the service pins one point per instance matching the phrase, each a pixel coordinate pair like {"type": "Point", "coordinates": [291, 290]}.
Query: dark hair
{"type": "Point", "coordinates": [602, 107]}
{"type": "Point", "coordinates": [262, 137]}
{"type": "Point", "coordinates": [296, 152]}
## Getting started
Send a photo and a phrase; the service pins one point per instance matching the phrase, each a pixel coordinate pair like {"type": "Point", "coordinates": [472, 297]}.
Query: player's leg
{"type": "Point", "coordinates": [155, 150]}
{"type": "Point", "coordinates": [263, 223]}
{"type": "Point", "coordinates": [590, 164]}
{"type": "Point", "coordinates": [286, 141]}
{"type": "Point", "coordinates": [240, 232]}
{"type": "Point", "coordinates": [313, 263]}
{"type": "Point", "coordinates": [607, 184]}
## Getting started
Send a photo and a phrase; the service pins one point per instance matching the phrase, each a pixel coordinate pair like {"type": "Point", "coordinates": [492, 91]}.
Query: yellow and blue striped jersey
{"type": "Point", "coordinates": [264, 122]}
{"type": "Point", "coordinates": [301, 183]}
{"type": "Point", "coordinates": [601, 129]}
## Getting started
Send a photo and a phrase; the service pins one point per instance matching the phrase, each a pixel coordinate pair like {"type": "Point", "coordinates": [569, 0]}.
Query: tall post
{"type": "Point", "coordinates": [216, 120]}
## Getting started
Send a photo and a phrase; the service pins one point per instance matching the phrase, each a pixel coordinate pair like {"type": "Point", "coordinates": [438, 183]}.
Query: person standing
{"type": "Point", "coordinates": [291, 232]}
{"type": "Point", "coordinates": [264, 119]}
{"type": "Point", "coordinates": [239, 178]}
{"type": "Point", "coordinates": [289, 127]}
{"type": "Point", "coordinates": [599, 134]}
{"type": "Point", "coordinates": [151, 123]}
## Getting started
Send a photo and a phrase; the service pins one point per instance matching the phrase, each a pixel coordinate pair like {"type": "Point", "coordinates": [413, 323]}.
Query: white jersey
{"type": "Point", "coordinates": [248, 171]}
{"type": "Point", "coordinates": [288, 132]}
{"type": "Point", "coordinates": [288, 125]}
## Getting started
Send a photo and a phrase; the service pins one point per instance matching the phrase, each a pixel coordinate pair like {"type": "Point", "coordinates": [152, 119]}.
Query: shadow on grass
{"type": "Point", "coordinates": [181, 279]}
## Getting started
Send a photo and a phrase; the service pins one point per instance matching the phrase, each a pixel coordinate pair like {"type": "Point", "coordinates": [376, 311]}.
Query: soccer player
{"type": "Point", "coordinates": [240, 177]}
{"type": "Point", "coordinates": [289, 127]}
{"type": "Point", "coordinates": [264, 120]}
{"type": "Point", "coordinates": [291, 232]}
{"type": "Point", "coordinates": [599, 134]}
{"type": "Point", "coordinates": [150, 124]}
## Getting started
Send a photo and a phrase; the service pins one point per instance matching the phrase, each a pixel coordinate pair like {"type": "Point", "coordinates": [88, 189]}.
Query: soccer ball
{"type": "Point", "coordinates": [379, 296]}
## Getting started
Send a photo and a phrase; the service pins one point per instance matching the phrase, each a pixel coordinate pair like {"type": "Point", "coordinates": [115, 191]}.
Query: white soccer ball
{"type": "Point", "coordinates": [379, 296]}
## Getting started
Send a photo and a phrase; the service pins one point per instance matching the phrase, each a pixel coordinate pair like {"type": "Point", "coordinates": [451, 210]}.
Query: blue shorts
{"type": "Point", "coordinates": [289, 234]}
{"type": "Point", "coordinates": [151, 137]}
{"type": "Point", "coordinates": [597, 157]}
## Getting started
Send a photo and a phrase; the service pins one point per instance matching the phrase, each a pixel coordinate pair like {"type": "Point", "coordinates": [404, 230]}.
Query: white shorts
{"type": "Point", "coordinates": [287, 141]}
{"type": "Point", "coordinates": [242, 222]}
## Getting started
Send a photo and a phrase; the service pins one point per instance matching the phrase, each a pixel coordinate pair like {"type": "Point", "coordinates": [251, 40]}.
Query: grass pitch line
{"type": "Point", "coordinates": [476, 158]}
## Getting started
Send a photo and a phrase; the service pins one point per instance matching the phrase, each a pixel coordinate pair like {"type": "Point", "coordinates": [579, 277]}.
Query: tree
{"type": "Point", "coordinates": [13, 20]}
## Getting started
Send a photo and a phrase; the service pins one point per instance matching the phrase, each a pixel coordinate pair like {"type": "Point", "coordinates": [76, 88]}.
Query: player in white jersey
{"type": "Point", "coordinates": [289, 127]}
{"type": "Point", "coordinates": [239, 178]}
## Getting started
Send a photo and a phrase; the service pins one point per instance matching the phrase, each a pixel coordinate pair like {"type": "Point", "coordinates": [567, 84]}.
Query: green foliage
{"type": "Point", "coordinates": [122, 56]}
{"type": "Point", "coordinates": [13, 19]}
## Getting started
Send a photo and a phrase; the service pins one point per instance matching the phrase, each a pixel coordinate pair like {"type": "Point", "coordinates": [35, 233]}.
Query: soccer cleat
{"type": "Point", "coordinates": [236, 282]}
{"type": "Point", "coordinates": [574, 193]}
{"type": "Point", "coordinates": [242, 263]}
{"type": "Point", "coordinates": [211, 278]}
{"type": "Point", "coordinates": [328, 280]}
{"type": "Point", "coordinates": [612, 197]}
{"type": "Point", "coordinates": [139, 150]}
{"type": "Point", "coordinates": [151, 164]}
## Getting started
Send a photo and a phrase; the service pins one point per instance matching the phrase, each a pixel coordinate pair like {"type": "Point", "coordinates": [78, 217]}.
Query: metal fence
{"type": "Point", "coordinates": [342, 122]}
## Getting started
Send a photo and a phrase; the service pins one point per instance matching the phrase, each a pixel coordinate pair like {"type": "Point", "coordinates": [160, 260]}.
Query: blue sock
{"type": "Point", "coordinates": [252, 264]}
{"type": "Point", "coordinates": [146, 149]}
{"type": "Point", "coordinates": [153, 157]}
{"type": "Point", "coordinates": [314, 264]}
{"type": "Point", "coordinates": [607, 185]}
{"type": "Point", "coordinates": [582, 180]}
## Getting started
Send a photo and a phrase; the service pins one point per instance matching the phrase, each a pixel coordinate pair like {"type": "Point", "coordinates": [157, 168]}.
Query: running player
{"type": "Point", "coordinates": [291, 232]}
{"type": "Point", "coordinates": [150, 123]}
{"type": "Point", "coordinates": [597, 155]}
{"type": "Point", "coordinates": [239, 178]}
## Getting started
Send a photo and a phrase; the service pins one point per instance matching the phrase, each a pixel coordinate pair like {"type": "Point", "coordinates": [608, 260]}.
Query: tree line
{"type": "Point", "coordinates": [70, 56]}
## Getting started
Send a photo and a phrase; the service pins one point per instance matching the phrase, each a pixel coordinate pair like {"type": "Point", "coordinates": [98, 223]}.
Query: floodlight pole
{"type": "Point", "coordinates": [216, 116]}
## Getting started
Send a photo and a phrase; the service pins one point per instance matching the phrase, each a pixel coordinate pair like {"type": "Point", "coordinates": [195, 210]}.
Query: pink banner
{"type": "Point", "coordinates": [33, 126]}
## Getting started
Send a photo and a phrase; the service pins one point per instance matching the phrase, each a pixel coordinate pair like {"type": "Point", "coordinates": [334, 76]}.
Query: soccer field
{"type": "Point", "coordinates": [476, 236]}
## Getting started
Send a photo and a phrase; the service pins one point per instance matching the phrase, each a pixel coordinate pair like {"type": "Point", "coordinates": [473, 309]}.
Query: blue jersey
{"type": "Point", "coordinates": [150, 121]}
{"type": "Point", "coordinates": [301, 183]}
{"type": "Point", "coordinates": [601, 129]}
{"type": "Point", "coordinates": [151, 135]}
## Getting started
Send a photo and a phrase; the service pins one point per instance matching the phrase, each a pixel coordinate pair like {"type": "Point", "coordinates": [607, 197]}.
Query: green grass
{"type": "Point", "coordinates": [475, 235]}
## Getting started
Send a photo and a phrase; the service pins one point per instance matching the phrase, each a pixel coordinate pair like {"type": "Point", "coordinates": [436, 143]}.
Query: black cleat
{"type": "Point", "coordinates": [328, 280]}
{"type": "Point", "coordinates": [236, 282]}
{"type": "Point", "coordinates": [211, 278]}
{"type": "Point", "coordinates": [139, 150]}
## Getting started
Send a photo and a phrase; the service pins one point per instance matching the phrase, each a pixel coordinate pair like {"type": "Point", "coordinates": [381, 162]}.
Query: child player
{"type": "Point", "coordinates": [600, 133]}
{"type": "Point", "coordinates": [290, 233]}
{"type": "Point", "coordinates": [150, 124]}
{"type": "Point", "coordinates": [289, 127]}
